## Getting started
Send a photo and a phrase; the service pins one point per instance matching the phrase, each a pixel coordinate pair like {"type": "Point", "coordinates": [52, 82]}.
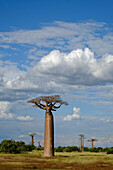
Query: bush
{"type": "Point", "coordinates": [66, 149]}
{"type": "Point", "coordinates": [110, 151]}
{"type": "Point", "coordinates": [86, 149]}
{"type": "Point", "coordinates": [100, 149]}
{"type": "Point", "coordinates": [10, 146]}
{"type": "Point", "coordinates": [71, 149]}
{"type": "Point", "coordinates": [93, 149]}
{"type": "Point", "coordinates": [106, 149]}
{"type": "Point", "coordinates": [30, 147]}
{"type": "Point", "coordinates": [59, 149]}
{"type": "Point", "coordinates": [40, 148]}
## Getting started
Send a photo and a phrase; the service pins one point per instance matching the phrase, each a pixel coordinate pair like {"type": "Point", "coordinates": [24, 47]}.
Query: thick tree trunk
{"type": "Point", "coordinates": [32, 140]}
{"type": "Point", "coordinates": [49, 135]}
{"type": "Point", "coordinates": [91, 143]}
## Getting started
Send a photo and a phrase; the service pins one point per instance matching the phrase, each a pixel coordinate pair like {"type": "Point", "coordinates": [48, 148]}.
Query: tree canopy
{"type": "Point", "coordinates": [50, 101]}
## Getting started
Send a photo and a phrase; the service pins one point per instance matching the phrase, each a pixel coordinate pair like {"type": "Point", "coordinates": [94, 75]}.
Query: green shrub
{"type": "Point", "coordinates": [40, 148]}
{"type": "Point", "coordinates": [86, 149]}
{"type": "Point", "coordinates": [93, 149]}
{"type": "Point", "coordinates": [29, 147]}
{"type": "Point", "coordinates": [66, 149]}
{"type": "Point", "coordinates": [106, 149]}
{"type": "Point", "coordinates": [10, 146]}
{"type": "Point", "coordinates": [100, 149]}
{"type": "Point", "coordinates": [110, 151]}
{"type": "Point", "coordinates": [59, 149]}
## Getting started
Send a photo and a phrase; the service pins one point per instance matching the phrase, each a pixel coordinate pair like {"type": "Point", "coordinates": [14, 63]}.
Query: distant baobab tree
{"type": "Point", "coordinates": [92, 140]}
{"type": "Point", "coordinates": [82, 142]}
{"type": "Point", "coordinates": [32, 137]}
{"type": "Point", "coordinates": [39, 145]}
{"type": "Point", "coordinates": [49, 104]}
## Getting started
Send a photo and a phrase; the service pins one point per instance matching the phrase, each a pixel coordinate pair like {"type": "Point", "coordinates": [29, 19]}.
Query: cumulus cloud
{"type": "Point", "coordinates": [4, 110]}
{"type": "Point", "coordinates": [8, 110]}
{"type": "Point", "coordinates": [22, 118]}
{"type": "Point", "coordinates": [75, 115]}
{"type": "Point", "coordinates": [79, 67]}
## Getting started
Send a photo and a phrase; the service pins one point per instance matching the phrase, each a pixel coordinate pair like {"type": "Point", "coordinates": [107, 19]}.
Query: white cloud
{"type": "Point", "coordinates": [107, 120]}
{"type": "Point", "coordinates": [4, 110]}
{"type": "Point", "coordinates": [65, 36]}
{"type": "Point", "coordinates": [35, 53]}
{"type": "Point", "coordinates": [26, 118]}
{"type": "Point", "coordinates": [75, 115]}
{"type": "Point", "coordinates": [79, 67]}
{"type": "Point", "coordinates": [22, 136]}
{"type": "Point", "coordinates": [5, 46]}
{"type": "Point", "coordinates": [104, 141]}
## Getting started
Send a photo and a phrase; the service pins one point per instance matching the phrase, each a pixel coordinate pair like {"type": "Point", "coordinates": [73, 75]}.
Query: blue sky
{"type": "Point", "coordinates": [57, 47]}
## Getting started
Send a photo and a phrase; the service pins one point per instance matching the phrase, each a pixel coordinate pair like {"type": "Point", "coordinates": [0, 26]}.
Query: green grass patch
{"type": "Point", "coordinates": [61, 160]}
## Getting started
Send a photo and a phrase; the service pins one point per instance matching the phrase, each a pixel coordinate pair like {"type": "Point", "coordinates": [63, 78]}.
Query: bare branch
{"type": "Point", "coordinates": [40, 106]}
{"type": "Point", "coordinates": [56, 107]}
{"type": "Point", "coordinates": [53, 109]}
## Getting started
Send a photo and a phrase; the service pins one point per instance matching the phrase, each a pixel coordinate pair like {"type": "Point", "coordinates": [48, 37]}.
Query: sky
{"type": "Point", "coordinates": [60, 47]}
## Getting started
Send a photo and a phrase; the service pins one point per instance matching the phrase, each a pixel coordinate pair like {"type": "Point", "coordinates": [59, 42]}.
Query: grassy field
{"type": "Point", "coordinates": [73, 160]}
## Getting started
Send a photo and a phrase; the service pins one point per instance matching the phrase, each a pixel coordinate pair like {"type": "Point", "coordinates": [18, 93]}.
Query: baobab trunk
{"type": "Point", "coordinates": [49, 135]}
{"type": "Point", "coordinates": [91, 143]}
{"type": "Point", "coordinates": [32, 140]}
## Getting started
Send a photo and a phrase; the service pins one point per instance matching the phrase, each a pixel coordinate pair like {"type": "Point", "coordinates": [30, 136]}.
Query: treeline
{"type": "Point", "coordinates": [11, 146]}
{"type": "Point", "coordinates": [75, 148]}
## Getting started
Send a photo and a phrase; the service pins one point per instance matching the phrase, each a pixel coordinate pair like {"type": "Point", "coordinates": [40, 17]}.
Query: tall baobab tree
{"type": "Point", "coordinates": [49, 104]}
{"type": "Point", "coordinates": [92, 140]}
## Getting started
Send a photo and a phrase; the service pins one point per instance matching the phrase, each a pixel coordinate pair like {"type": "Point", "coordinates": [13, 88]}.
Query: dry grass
{"type": "Point", "coordinates": [73, 160]}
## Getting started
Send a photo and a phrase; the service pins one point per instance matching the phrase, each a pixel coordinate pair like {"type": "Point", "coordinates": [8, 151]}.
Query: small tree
{"type": "Point", "coordinates": [49, 104]}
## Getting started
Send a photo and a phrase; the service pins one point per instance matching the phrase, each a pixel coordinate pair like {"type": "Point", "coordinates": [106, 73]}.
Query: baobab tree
{"type": "Point", "coordinates": [92, 140]}
{"type": "Point", "coordinates": [49, 104]}
{"type": "Point", "coordinates": [82, 142]}
{"type": "Point", "coordinates": [32, 137]}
